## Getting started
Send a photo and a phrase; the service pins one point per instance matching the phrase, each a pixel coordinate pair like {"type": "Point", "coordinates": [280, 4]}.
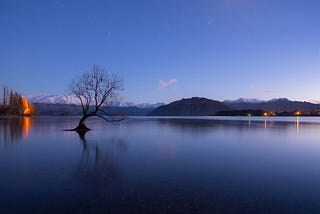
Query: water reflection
{"type": "Point", "coordinates": [201, 125]}
{"type": "Point", "coordinates": [26, 125]}
{"type": "Point", "coordinates": [297, 124]}
{"type": "Point", "coordinates": [99, 162]}
{"type": "Point", "coordinates": [14, 129]}
{"type": "Point", "coordinates": [156, 165]}
{"type": "Point", "coordinates": [268, 123]}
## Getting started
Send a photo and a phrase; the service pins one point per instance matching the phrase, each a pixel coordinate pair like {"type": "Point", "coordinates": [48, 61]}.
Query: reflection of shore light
{"type": "Point", "coordinates": [297, 124]}
{"type": "Point", "coordinates": [26, 124]}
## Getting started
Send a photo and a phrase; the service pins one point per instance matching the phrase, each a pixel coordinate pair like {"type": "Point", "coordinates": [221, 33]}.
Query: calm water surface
{"type": "Point", "coordinates": [161, 165]}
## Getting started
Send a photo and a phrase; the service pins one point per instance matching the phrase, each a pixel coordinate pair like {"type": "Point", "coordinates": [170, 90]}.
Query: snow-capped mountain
{"type": "Point", "coordinates": [68, 99]}
{"type": "Point", "coordinates": [53, 99]}
{"type": "Point", "coordinates": [140, 105]}
{"type": "Point", "coordinates": [148, 105]}
{"type": "Point", "coordinates": [244, 100]}
{"type": "Point", "coordinates": [279, 100]}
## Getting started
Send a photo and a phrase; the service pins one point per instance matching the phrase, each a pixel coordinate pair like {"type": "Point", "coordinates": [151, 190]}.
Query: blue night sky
{"type": "Point", "coordinates": [165, 49]}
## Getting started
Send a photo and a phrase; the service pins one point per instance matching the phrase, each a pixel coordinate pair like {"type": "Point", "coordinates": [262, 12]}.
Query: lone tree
{"type": "Point", "coordinates": [96, 91]}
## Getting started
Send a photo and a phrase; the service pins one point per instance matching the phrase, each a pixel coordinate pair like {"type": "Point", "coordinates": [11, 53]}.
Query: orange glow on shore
{"type": "Point", "coordinates": [297, 113]}
{"type": "Point", "coordinates": [27, 107]}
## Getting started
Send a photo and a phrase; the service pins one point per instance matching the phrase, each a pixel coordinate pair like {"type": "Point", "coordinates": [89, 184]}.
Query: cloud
{"type": "Point", "coordinates": [165, 84]}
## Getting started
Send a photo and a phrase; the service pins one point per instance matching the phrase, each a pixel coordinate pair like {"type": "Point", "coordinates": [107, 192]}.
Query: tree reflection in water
{"type": "Point", "coordinates": [99, 162]}
{"type": "Point", "coordinates": [14, 129]}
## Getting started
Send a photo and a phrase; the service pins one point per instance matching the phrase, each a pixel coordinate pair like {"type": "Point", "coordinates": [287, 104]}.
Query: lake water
{"type": "Point", "coordinates": [161, 165]}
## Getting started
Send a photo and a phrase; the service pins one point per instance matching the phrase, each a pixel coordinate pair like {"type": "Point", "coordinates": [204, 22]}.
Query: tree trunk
{"type": "Point", "coordinates": [81, 125]}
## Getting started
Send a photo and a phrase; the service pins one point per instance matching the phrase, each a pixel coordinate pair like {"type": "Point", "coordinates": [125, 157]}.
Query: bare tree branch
{"type": "Point", "coordinates": [96, 91]}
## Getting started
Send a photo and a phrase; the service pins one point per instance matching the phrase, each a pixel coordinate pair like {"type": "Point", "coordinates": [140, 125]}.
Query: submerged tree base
{"type": "Point", "coordinates": [79, 128]}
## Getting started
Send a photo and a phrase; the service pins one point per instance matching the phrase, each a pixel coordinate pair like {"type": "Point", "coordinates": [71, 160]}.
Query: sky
{"type": "Point", "coordinates": [165, 50]}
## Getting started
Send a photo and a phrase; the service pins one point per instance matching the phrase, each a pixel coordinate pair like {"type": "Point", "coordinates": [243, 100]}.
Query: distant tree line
{"type": "Point", "coordinates": [247, 112]}
{"type": "Point", "coordinates": [13, 103]}
{"type": "Point", "coordinates": [261, 112]}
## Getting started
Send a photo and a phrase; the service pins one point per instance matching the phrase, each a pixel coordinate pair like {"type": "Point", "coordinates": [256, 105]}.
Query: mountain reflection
{"type": "Point", "coordinates": [14, 129]}
{"type": "Point", "coordinates": [207, 125]}
{"type": "Point", "coordinates": [99, 162]}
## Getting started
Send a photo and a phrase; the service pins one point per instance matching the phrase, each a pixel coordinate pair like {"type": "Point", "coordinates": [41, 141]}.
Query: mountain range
{"type": "Point", "coordinates": [69, 99]}
{"type": "Point", "coordinates": [244, 100]}
{"type": "Point", "coordinates": [195, 106]}
{"type": "Point", "coordinates": [275, 105]}
{"type": "Point", "coordinates": [53, 99]}
{"type": "Point", "coordinates": [75, 110]}
{"type": "Point", "coordinates": [58, 105]}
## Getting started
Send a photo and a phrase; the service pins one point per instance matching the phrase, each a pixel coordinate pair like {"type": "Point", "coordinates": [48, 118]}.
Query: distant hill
{"type": "Point", "coordinates": [141, 105]}
{"type": "Point", "coordinates": [75, 110]}
{"type": "Point", "coordinates": [134, 111]}
{"type": "Point", "coordinates": [275, 105]}
{"type": "Point", "coordinates": [194, 106]}
{"type": "Point", "coordinates": [57, 109]}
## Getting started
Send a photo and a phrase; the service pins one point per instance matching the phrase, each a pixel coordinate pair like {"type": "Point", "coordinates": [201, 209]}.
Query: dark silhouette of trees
{"type": "Point", "coordinates": [12, 103]}
{"type": "Point", "coordinates": [96, 91]}
{"type": "Point", "coordinates": [5, 96]}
